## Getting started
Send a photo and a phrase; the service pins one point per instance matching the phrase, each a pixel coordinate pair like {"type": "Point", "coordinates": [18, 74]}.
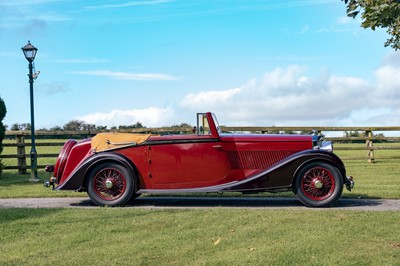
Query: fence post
{"type": "Point", "coordinates": [370, 146]}
{"type": "Point", "coordinates": [21, 157]}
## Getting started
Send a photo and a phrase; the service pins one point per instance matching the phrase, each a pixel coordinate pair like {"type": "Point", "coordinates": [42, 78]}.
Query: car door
{"type": "Point", "coordinates": [187, 163]}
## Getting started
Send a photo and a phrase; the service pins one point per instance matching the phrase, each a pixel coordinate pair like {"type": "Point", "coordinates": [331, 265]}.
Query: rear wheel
{"type": "Point", "coordinates": [318, 185]}
{"type": "Point", "coordinates": [110, 184]}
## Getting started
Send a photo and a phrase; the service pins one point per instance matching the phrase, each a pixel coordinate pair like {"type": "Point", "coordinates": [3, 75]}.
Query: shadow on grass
{"type": "Point", "coordinates": [230, 202]}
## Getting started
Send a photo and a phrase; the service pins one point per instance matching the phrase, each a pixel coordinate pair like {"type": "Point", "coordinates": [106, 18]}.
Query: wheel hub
{"type": "Point", "coordinates": [109, 184]}
{"type": "Point", "coordinates": [318, 184]}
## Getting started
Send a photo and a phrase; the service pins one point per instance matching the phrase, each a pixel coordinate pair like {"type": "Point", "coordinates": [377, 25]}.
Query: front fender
{"type": "Point", "coordinates": [282, 174]}
{"type": "Point", "coordinates": [76, 180]}
{"type": "Point", "coordinates": [324, 156]}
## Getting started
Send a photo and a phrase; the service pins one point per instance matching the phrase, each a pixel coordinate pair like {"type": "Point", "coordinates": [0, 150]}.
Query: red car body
{"type": "Point", "coordinates": [206, 161]}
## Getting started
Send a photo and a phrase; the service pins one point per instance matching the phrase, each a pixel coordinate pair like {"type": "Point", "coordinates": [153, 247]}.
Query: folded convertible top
{"type": "Point", "coordinates": [106, 141]}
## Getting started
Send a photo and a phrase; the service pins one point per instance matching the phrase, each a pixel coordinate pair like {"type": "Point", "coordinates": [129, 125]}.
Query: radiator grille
{"type": "Point", "coordinates": [256, 159]}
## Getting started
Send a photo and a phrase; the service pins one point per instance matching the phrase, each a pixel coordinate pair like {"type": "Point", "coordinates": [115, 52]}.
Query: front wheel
{"type": "Point", "coordinates": [318, 185]}
{"type": "Point", "coordinates": [110, 184]}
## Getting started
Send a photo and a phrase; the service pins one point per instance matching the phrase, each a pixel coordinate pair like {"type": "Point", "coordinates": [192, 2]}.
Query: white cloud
{"type": "Point", "coordinates": [92, 60]}
{"type": "Point", "coordinates": [130, 4]}
{"type": "Point", "coordinates": [8, 54]}
{"type": "Point", "coordinates": [282, 96]}
{"type": "Point", "coordinates": [388, 84]}
{"type": "Point", "coordinates": [127, 76]}
{"type": "Point", "coordinates": [391, 59]}
{"type": "Point", "coordinates": [53, 88]}
{"type": "Point", "coordinates": [368, 117]}
{"type": "Point", "coordinates": [149, 117]}
{"type": "Point", "coordinates": [209, 99]}
{"type": "Point", "coordinates": [287, 96]}
{"type": "Point", "coordinates": [304, 30]}
{"type": "Point", "coordinates": [344, 20]}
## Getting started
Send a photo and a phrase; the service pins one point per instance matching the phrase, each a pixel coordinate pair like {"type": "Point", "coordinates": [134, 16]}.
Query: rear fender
{"type": "Point", "coordinates": [62, 158]}
{"type": "Point", "coordinates": [78, 178]}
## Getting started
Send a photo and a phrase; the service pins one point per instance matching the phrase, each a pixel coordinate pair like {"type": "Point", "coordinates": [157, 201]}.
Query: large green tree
{"type": "Point", "coordinates": [378, 14]}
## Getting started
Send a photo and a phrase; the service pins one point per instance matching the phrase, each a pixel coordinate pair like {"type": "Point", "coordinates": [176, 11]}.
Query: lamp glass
{"type": "Point", "coordinates": [29, 51]}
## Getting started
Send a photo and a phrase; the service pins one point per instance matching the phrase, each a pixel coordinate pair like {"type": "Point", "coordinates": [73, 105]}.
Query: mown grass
{"type": "Point", "coordinates": [13, 185]}
{"type": "Point", "coordinates": [373, 180]}
{"type": "Point", "coordinates": [119, 236]}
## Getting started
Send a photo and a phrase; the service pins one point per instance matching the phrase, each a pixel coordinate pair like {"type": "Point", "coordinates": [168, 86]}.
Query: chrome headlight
{"type": "Point", "coordinates": [327, 146]}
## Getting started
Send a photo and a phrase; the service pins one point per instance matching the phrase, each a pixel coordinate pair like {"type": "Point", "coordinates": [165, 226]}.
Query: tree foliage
{"type": "Point", "coordinates": [378, 14]}
{"type": "Point", "coordinates": [18, 127]}
{"type": "Point", "coordinates": [137, 125]}
{"type": "Point", "coordinates": [3, 111]}
{"type": "Point", "coordinates": [76, 125]}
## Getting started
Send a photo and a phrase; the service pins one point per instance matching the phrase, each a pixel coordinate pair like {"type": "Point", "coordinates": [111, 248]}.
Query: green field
{"type": "Point", "coordinates": [120, 236]}
{"type": "Point", "coordinates": [217, 236]}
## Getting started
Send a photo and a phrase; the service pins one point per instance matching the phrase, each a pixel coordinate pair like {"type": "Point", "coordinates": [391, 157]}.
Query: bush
{"type": "Point", "coordinates": [3, 111]}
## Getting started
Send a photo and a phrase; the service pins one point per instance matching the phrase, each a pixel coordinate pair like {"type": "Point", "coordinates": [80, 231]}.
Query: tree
{"type": "Point", "coordinates": [378, 14]}
{"type": "Point", "coordinates": [88, 127]}
{"type": "Point", "coordinates": [15, 127]}
{"type": "Point", "coordinates": [74, 125]}
{"type": "Point", "coordinates": [101, 128]}
{"type": "Point", "coordinates": [26, 126]}
{"type": "Point", "coordinates": [56, 128]}
{"type": "Point", "coordinates": [23, 126]}
{"type": "Point", "coordinates": [77, 125]}
{"type": "Point", "coordinates": [3, 111]}
{"type": "Point", "coordinates": [137, 125]}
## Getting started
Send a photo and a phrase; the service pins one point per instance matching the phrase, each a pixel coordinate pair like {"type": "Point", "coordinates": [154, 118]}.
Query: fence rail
{"type": "Point", "coordinates": [22, 140]}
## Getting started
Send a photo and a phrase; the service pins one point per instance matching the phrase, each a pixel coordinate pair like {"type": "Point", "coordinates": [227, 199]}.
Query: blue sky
{"type": "Point", "coordinates": [252, 62]}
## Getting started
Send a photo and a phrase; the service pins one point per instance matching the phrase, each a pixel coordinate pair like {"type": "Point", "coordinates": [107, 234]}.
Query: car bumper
{"type": "Point", "coordinates": [51, 182]}
{"type": "Point", "coordinates": [349, 182]}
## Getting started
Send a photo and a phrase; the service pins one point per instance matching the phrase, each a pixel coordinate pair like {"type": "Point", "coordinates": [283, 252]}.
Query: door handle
{"type": "Point", "coordinates": [218, 147]}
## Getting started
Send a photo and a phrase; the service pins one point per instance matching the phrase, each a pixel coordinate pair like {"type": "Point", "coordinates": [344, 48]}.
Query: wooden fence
{"type": "Point", "coordinates": [22, 140]}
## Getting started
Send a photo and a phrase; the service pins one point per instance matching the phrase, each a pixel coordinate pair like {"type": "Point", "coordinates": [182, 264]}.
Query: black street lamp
{"type": "Point", "coordinates": [30, 53]}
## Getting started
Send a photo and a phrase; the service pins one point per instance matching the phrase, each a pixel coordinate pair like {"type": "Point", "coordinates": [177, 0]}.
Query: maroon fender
{"type": "Point", "coordinates": [76, 180]}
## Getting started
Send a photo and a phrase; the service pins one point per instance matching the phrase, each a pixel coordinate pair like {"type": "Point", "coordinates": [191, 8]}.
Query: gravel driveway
{"type": "Point", "coordinates": [203, 202]}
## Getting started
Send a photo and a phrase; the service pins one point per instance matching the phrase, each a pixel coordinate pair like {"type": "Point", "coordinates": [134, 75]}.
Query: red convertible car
{"type": "Point", "coordinates": [115, 167]}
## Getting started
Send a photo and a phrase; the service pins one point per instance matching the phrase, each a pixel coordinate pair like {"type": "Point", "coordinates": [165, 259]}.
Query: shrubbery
{"type": "Point", "coordinates": [3, 111]}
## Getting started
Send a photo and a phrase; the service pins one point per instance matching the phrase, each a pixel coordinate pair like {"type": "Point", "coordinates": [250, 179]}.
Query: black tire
{"type": "Point", "coordinates": [318, 184]}
{"type": "Point", "coordinates": [110, 184]}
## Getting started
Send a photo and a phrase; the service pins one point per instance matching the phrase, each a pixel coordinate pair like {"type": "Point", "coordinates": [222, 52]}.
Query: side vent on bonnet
{"type": "Point", "coordinates": [256, 159]}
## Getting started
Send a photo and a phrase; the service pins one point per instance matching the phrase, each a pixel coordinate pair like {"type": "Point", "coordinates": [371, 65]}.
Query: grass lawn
{"type": "Point", "coordinates": [373, 180]}
{"type": "Point", "coordinates": [120, 236]}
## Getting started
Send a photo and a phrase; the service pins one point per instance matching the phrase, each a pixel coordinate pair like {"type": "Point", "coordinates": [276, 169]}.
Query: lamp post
{"type": "Point", "coordinates": [30, 53]}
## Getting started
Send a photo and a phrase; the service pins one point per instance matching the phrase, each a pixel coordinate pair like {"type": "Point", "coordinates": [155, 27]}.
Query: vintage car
{"type": "Point", "coordinates": [116, 167]}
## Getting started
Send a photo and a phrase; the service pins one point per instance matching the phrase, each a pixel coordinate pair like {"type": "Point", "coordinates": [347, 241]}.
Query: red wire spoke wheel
{"type": "Point", "coordinates": [110, 184]}
{"type": "Point", "coordinates": [318, 184]}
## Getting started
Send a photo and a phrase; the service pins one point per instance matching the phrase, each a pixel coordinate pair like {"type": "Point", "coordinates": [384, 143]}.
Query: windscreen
{"type": "Point", "coordinates": [202, 124]}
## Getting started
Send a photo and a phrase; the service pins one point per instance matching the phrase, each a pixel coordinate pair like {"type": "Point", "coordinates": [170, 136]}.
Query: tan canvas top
{"type": "Point", "coordinates": [106, 141]}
